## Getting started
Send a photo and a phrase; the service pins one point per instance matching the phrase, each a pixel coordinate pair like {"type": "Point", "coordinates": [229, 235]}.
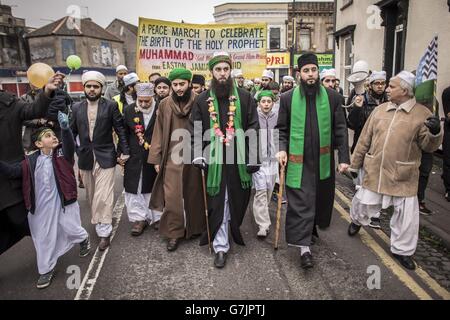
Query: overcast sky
{"type": "Point", "coordinates": [38, 12]}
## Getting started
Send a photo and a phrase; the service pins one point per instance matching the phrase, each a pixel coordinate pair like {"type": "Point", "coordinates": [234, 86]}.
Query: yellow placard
{"type": "Point", "coordinates": [278, 60]}
{"type": "Point", "coordinates": [163, 46]}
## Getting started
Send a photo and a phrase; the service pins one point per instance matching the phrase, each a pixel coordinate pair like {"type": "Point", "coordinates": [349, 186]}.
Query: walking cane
{"type": "Point", "coordinates": [206, 211]}
{"type": "Point", "coordinates": [280, 203]}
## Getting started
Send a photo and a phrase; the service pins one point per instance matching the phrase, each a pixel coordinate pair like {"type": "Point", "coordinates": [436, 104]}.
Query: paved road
{"type": "Point", "coordinates": [141, 268]}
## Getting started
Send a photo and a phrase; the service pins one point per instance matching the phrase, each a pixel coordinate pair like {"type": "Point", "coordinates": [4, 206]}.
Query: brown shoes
{"type": "Point", "coordinates": [138, 228]}
{"type": "Point", "coordinates": [104, 243]}
{"type": "Point", "coordinates": [172, 244]}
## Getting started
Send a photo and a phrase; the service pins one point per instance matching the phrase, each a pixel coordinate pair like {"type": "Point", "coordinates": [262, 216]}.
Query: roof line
{"type": "Point", "coordinates": [60, 25]}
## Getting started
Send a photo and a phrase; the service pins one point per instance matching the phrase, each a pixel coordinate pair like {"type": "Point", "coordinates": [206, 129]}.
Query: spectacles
{"type": "Point", "coordinates": [379, 84]}
{"type": "Point", "coordinates": [89, 86]}
{"type": "Point", "coordinates": [329, 80]}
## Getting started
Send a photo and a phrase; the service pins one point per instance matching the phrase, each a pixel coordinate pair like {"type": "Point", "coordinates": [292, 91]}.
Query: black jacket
{"type": "Point", "coordinates": [108, 118]}
{"type": "Point", "coordinates": [138, 155]}
{"type": "Point", "coordinates": [12, 114]}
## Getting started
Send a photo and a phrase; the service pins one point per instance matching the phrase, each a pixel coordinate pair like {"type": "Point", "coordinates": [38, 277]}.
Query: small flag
{"type": "Point", "coordinates": [427, 74]}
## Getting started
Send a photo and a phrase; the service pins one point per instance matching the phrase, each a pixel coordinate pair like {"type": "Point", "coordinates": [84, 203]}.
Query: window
{"type": "Point", "coordinates": [330, 41]}
{"type": "Point", "coordinates": [398, 50]}
{"type": "Point", "coordinates": [275, 38]}
{"type": "Point", "coordinates": [305, 39]}
{"type": "Point", "coordinates": [348, 62]}
{"type": "Point", "coordinates": [68, 48]}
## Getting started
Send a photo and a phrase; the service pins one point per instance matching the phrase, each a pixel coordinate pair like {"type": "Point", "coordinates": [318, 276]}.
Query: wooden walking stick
{"type": "Point", "coordinates": [280, 203]}
{"type": "Point", "coordinates": [206, 211]}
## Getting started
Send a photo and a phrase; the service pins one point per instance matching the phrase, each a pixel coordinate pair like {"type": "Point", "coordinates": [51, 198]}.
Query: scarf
{"type": "Point", "coordinates": [216, 150]}
{"type": "Point", "coordinates": [297, 137]}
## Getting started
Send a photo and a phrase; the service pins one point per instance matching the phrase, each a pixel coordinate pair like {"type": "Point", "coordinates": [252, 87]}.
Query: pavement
{"type": "Point", "coordinates": [358, 268]}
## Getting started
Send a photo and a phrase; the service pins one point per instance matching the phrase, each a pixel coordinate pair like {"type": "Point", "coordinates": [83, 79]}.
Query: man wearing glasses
{"type": "Point", "coordinates": [358, 115]}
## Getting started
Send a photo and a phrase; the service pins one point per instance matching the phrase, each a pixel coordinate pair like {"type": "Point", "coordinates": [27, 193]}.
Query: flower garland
{"type": "Point", "coordinates": [139, 130]}
{"type": "Point", "coordinates": [230, 130]}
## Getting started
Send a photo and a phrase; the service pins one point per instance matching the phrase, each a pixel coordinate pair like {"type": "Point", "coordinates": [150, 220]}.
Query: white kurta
{"type": "Point", "coordinates": [54, 229]}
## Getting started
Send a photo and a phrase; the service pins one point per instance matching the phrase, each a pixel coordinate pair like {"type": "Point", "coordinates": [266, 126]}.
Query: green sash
{"type": "Point", "coordinates": [297, 137]}
{"type": "Point", "coordinates": [216, 151]}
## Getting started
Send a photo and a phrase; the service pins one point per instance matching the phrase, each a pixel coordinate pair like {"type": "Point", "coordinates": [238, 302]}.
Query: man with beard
{"type": "Point", "coordinates": [93, 122]}
{"type": "Point", "coordinates": [198, 83]}
{"type": "Point", "coordinates": [238, 77]}
{"type": "Point", "coordinates": [162, 88]}
{"type": "Point", "coordinates": [311, 125]}
{"type": "Point", "coordinates": [177, 189]}
{"type": "Point", "coordinates": [117, 87]}
{"type": "Point", "coordinates": [267, 78]}
{"type": "Point", "coordinates": [229, 112]}
{"type": "Point", "coordinates": [128, 94]}
{"type": "Point", "coordinates": [288, 84]}
{"type": "Point", "coordinates": [139, 121]}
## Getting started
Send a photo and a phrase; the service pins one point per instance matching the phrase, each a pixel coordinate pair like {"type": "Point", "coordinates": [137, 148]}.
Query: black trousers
{"type": "Point", "coordinates": [446, 150]}
{"type": "Point", "coordinates": [13, 226]}
{"type": "Point", "coordinates": [426, 166]}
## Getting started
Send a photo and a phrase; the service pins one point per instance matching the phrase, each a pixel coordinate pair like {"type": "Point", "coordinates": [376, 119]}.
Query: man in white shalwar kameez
{"type": "Point", "coordinates": [389, 151]}
{"type": "Point", "coordinates": [139, 121]}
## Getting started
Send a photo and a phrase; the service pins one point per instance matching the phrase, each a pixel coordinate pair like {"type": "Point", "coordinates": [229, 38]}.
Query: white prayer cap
{"type": "Point", "coordinates": [130, 79]}
{"type": "Point", "coordinates": [221, 53]}
{"type": "Point", "coordinates": [408, 77]}
{"type": "Point", "coordinates": [120, 68]}
{"type": "Point", "coordinates": [327, 73]}
{"type": "Point", "coordinates": [378, 75]}
{"type": "Point", "coordinates": [268, 74]}
{"type": "Point", "coordinates": [145, 90]}
{"type": "Point", "coordinates": [237, 73]}
{"type": "Point", "coordinates": [288, 78]}
{"type": "Point", "coordinates": [93, 76]}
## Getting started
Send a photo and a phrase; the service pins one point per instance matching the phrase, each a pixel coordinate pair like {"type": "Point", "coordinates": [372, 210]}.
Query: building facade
{"type": "Point", "coordinates": [391, 35]}
{"type": "Point", "coordinates": [128, 34]}
{"type": "Point", "coordinates": [276, 17]}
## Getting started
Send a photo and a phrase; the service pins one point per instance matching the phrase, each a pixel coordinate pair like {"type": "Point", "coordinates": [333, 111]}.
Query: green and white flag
{"type": "Point", "coordinates": [427, 74]}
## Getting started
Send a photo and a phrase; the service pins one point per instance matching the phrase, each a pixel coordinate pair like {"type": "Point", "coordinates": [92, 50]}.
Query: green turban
{"type": "Point", "coordinates": [180, 73]}
{"type": "Point", "coordinates": [266, 93]}
{"type": "Point", "coordinates": [218, 59]}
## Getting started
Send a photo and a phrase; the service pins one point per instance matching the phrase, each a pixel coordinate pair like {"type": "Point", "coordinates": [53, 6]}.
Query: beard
{"type": "Point", "coordinates": [310, 89]}
{"type": "Point", "coordinates": [184, 98]}
{"type": "Point", "coordinates": [93, 98]}
{"type": "Point", "coordinates": [222, 89]}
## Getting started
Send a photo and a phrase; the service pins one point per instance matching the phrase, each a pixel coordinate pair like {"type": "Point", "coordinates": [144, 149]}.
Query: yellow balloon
{"type": "Point", "coordinates": [39, 74]}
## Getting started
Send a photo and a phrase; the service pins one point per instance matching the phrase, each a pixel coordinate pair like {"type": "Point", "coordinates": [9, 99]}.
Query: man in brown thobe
{"type": "Point", "coordinates": [177, 191]}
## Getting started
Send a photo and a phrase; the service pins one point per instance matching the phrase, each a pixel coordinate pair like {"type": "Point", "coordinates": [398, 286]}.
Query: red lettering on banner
{"type": "Point", "coordinates": [165, 54]}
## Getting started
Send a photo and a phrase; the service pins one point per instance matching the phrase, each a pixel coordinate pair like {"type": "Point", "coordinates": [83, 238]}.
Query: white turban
{"type": "Point", "coordinates": [93, 76]}
{"type": "Point", "coordinates": [130, 79]}
{"type": "Point", "coordinates": [327, 73]}
{"type": "Point", "coordinates": [378, 75]}
{"type": "Point", "coordinates": [120, 68]}
{"type": "Point", "coordinates": [268, 74]}
{"type": "Point", "coordinates": [288, 78]}
{"type": "Point", "coordinates": [237, 73]}
{"type": "Point", "coordinates": [408, 77]}
{"type": "Point", "coordinates": [145, 90]}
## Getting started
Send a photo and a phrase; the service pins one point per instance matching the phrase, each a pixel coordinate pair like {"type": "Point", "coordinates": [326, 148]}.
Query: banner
{"type": "Point", "coordinates": [325, 60]}
{"type": "Point", "coordinates": [278, 60]}
{"type": "Point", "coordinates": [163, 46]}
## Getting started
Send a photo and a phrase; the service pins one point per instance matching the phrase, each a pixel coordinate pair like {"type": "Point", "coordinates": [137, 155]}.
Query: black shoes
{"type": "Point", "coordinates": [424, 210]}
{"type": "Point", "coordinates": [172, 245]}
{"type": "Point", "coordinates": [105, 242]}
{"type": "Point", "coordinates": [353, 229]}
{"type": "Point", "coordinates": [85, 248]}
{"type": "Point", "coordinates": [405, 261]}
{"type": "Point", "coordinates": [306, 261]}
{"type": "Point", "coordinates": [220, 259]}
{"type": "Point", "coordinates": [375, 223]}
{"type": "Point", "coordinates": [447, 196]}
{"type": "Point", "coordinates": [45, 280]}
